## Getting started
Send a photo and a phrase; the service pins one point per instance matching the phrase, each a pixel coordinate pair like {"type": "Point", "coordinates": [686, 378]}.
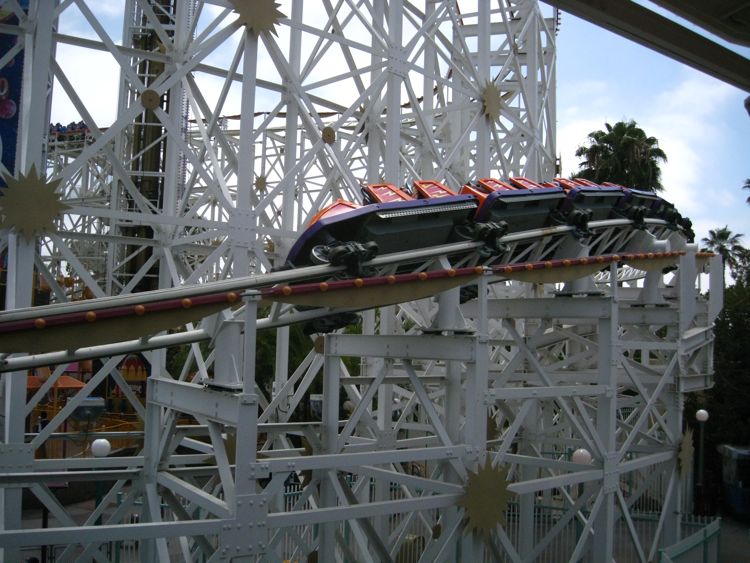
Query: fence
{"type": "Point", "coordinates": [413, 531]}
{"type": "Point", "coordinates": [700, 547]}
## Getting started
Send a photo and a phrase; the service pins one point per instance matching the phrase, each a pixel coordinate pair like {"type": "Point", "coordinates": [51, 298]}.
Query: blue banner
{"type": "Point", "coordinates": [11, 80]}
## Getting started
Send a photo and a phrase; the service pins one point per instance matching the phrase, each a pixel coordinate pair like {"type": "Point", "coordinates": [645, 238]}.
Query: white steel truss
{"type": "Point", "coordinates": [224, 140]}
{"type": "Point", "coordinates": [525, 376]}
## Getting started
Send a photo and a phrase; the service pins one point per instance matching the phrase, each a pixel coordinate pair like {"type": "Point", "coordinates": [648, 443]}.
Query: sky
{"type": "Point", "coordinates": [700, 122]}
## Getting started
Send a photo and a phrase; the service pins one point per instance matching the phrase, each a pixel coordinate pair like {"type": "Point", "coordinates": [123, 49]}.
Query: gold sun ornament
{"type": "Point", "coordinates": [29, 204]}
{"type": "Point", "coordinates": [492, 101]}
{"type": "Point", "coordinates": [686, 453]}
{"type": "Point", "coordinates": [485, 499]}
{"type": "Point", "coordinates": [258, 15]}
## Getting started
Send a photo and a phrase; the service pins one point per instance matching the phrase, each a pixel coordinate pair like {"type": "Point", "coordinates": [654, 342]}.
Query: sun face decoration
{"type": "Point", "coordinates": [258, 15]}
{"type": "Point", "coordinates": [29, 204]}
{"type": "Point", "coordinates": [485, 498]}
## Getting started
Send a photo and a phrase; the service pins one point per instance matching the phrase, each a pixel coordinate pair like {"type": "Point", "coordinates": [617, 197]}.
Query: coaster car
{"type": "Point", "coordinates": [524, 205]}
{"type": "Point", "coordinates": [639, 204]}
{"type": "Point", "coordinates": [431, 214]}
{"type": "Point", "coordinates": [391, 221]}
{"type": "Point", "coordinates": [599, 201]}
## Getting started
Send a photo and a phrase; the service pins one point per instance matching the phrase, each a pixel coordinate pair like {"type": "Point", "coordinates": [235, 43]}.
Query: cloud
{"type": "Point", "coordinates": [689, 118]}
{"type": "Point", "coordinates": [581, 110]}
{"type": "Point", "coordinates": [79, 65]}
{"type": "Point", "coordinates": [686, 120]}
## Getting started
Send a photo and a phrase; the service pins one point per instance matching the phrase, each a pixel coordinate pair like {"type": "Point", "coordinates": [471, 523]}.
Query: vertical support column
{"type": "Point", "coordinates": [330, 433]}
{"type": "Point", "coordinates": [606, 425]}
{"type": "Point", "coordinates": [153, 549]}
{"type": "Point", "coordinates": [247, 536]}
{"type": "Point", "coordinates": [686, 286]}
{"type": "Point", "coordinates": [174, 160]}
{"type": "Point", "coordinates": [33, 129]}
{"type": "Point", "coordinates": [386, 436]}
{"type": "Point", "coordinates": [552, 169]}
{"type": "Point", "coordinates": [484, 76]}
{"type": "Point", "coordinates": [249, 344]}
{"type": "Point", "coordinates": [481, 376]}
{"type": "Point", "coordinates": [673, 502]}
{"type": "Point", "coordinates": [532, 167]}
{"type": "Point", "coordinates": [453, 388]}
{"type": "Point", "coordinates": [292, 129]}
{"type": "Point", "coordinates": [247, 414]}
{"type": "Point", "coordinates": [250, 510]}
{"type": "Point", "coordinates": [20, 271]}
{"type": "Point", "coordinates": [547, 421]}
{"type": "Point", "coordinates": [289, 199]}
{"type": "Point", "coordinates": [34, 120]}
{"type": "Point", "coordinates": [369, 367]}
{"type": "Point", "coordinates": [475, 427]}
{"type": "Point", "coordinates": [457, 121]}
{"type": "Point", "coordinates": [527, 473]}
{"type": "Point", "coordinates": [715, 288]}
{"type": "Point", "coordinates": [375, 157]}
{"type": "Point", "coordinates": [426, 158]}
{"type": "Point", "coordinates": [396, 75]}
{"type": "Point", "coordinates": [122, 149]}
{"type": "Point", "coordinates": [246, 159]}
{"type": "Point", "coordinates": [445, 321]}
{"type": "Point", "coordinates": [229, 361]}
{"type": "Point", "coordinates": [448, 318]}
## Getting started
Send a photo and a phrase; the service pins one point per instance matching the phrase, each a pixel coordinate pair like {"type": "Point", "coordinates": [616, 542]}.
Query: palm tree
{"type": "Point", "coordinates": [746, 186]}
{"type": "Point", "coordinates": [623, 154]}
{"type": "Point", "coordinates": [727, 245]}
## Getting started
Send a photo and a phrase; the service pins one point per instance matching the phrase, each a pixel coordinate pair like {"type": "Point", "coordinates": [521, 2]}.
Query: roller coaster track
{"type": "Point", "coordinates": [130, 323]}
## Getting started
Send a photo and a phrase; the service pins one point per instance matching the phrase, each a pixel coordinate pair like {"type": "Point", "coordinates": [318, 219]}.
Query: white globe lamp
{"type": "Point", "coordinates": [101, 447]}
{"type": "Point", "coordinates": [582, 456]}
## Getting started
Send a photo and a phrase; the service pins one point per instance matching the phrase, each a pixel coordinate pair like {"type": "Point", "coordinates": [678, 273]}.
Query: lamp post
{"type": "Point", "coordinates": [701, 415]}
{"type": "Point", "coordinates": [99, 448]}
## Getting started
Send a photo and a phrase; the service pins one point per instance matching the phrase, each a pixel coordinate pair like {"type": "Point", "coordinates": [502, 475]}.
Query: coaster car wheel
{"type": "Point", "coordinates": [350, 254]}
{"type": "Point", "coordinates": [465, 231]}
{"type": "Point", "coordinates": [491, 233]}
{"type": "Point", "coordinates": [320, 254]}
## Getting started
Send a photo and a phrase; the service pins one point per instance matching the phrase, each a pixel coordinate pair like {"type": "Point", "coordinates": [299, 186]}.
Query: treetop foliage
{"type": "Point", "coordinates": [623, 154]}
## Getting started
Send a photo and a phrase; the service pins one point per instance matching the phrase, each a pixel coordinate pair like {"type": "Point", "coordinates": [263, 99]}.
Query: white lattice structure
{"type": "Point", "coordinates": [226, 140]}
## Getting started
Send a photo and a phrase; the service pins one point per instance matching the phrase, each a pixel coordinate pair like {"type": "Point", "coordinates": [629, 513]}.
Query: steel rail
{"type": "Point", "coordinates": [286, 276]}
{"type": "Point", "coordinates": [261, 283]}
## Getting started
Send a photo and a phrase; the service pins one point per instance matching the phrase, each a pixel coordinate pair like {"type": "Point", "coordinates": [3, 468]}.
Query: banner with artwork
{"type": "Point", "coordinates": [11, 80]}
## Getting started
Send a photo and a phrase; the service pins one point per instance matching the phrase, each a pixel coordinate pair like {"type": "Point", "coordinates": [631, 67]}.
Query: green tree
{"type": "Point", "coordinates": [746, 186]}
{"type": "Point", "coordinates": [727, 245]}
{"type": "Point", "coordinates": [742, 269]}
{"type": "Point", "coordinates": [623, 154]}
{"type": "Point", "coordinates": [727, 401]}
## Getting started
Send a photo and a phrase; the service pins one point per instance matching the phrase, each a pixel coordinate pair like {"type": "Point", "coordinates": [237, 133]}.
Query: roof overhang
{"type": "Point", "coordinates": [728, 19]}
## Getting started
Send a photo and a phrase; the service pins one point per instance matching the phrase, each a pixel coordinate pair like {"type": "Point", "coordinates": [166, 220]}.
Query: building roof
{"type": "Point", "coordinates": [729, 19]}
{"type": "Point", "coordinates": [63, 382]}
